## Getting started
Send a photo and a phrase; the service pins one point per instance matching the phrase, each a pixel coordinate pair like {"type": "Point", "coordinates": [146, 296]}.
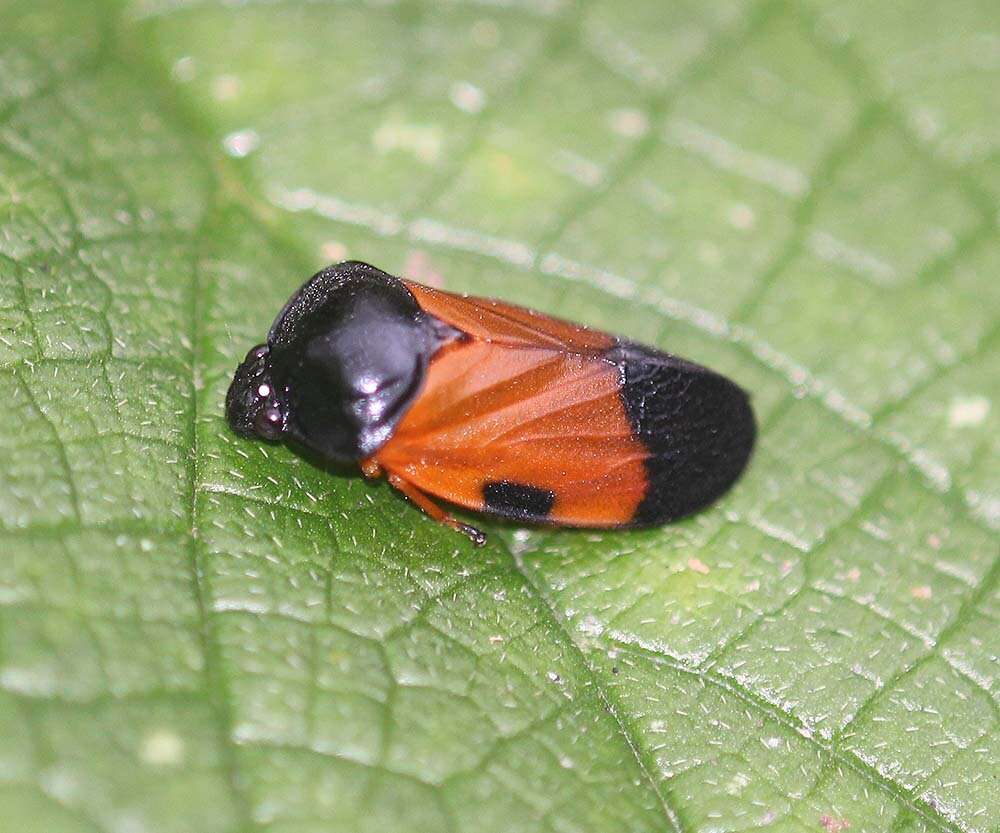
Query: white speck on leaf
{"type": "Point", "coordinates": [184, 69]}
{"type": "Point", "coordinates": [580, 168]}
{"type": "Point", "coordinates": [333, 250]}
{"type": "Point", "coordinates": [737, 783]}
{"type": "Point", "coordinates": [241, 143]}
{"type": "Point", "coordinates": [968, 411]}
{"type": "Point", "coordinates": [629, 122]}
{"type": "Point", "coordinates": [226, 87]}
{"type": "Point", "coordinates": [467, 97]}
{"type": "Point", "coordinates": [590, 625]}
{"type": "Point", "coordinates": [162, 747]}
{"type": "Point", "coordinates": [60, 783]}
{"type": "Point", "coordinates": [926, 123]}
{"type": "Point", "coordinates": [742, 216]}
{"type": "Point", "coordinates": [698, 566]}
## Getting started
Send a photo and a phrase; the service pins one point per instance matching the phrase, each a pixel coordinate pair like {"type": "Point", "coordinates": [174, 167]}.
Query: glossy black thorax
{"type": "Point", "coordinates": [343, 362]}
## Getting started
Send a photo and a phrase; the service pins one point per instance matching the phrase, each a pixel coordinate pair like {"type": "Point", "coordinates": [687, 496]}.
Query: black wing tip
{"type": "Point", "coordinates": [698, 425]}
{"type": "Point", "coordinates": [684, 480]}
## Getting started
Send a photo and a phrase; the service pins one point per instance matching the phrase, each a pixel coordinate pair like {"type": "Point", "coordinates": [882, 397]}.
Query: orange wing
{"type": "Point", "coordinates": [494, 321]}
{"type": "Point", "coordinates": [523, 419]}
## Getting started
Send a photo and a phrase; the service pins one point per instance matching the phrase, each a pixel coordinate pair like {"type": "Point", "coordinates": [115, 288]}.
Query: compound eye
{"type": "Point", "coordinates": [267, 423]}
{"type": "Point", "coordinates": [257, 353]}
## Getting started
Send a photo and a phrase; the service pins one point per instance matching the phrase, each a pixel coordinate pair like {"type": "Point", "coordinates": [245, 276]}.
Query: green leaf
{"type": "Point", "coordinates": [199, 633]}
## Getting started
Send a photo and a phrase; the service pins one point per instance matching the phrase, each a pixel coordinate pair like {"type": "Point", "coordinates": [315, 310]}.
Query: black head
{"type": "Point", "coordinates": [253, 405]}
{"type": "Point", "coordinates": [343, 361]}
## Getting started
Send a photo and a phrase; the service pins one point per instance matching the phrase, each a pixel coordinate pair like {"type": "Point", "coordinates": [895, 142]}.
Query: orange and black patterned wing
{"type": "Point", "coordinates": [525, 433]}
{"type": "Point", "coordinates": [536, 419]}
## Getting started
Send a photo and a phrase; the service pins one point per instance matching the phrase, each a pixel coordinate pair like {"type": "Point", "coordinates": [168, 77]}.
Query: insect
{"type": "Point", "coordinates": [490, 406]}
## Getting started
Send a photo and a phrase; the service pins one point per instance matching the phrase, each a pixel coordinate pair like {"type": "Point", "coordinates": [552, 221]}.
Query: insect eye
{"type": "Point", "coordinates": [267, 423]}
{"type": "Point", "coordinates": [257, 353]}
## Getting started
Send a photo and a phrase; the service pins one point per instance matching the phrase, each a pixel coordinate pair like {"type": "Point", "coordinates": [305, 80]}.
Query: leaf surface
{"type": "Point", "coordinates": [202, 633]}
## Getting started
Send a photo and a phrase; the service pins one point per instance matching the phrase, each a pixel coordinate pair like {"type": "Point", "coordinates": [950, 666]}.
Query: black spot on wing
{"type": "Point", "coordinates": [518, 501]}
{"type": "Point", "coordinates": [698, 426]}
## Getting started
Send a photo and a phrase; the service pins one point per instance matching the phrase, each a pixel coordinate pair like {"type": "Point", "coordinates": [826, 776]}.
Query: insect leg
{"type": "Point", "coordinates": [370, 469]}
{"type": "Point", "coordinates": [434, 511]}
